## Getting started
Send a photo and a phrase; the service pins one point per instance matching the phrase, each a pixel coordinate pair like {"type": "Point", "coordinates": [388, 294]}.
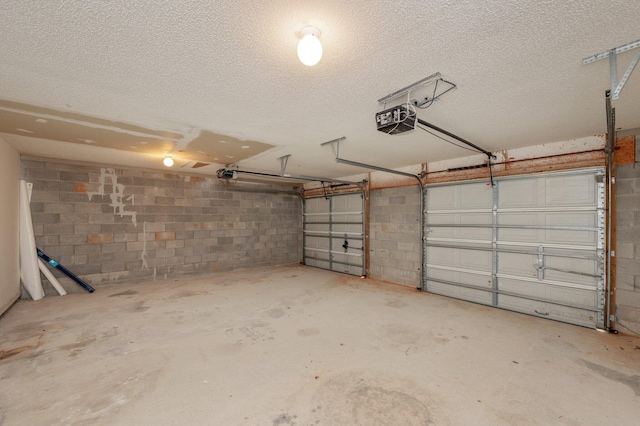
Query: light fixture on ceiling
{"type": "Point", "coordinates": [168, 161]}
{"type": "Point", "coordinates": [309, 47]}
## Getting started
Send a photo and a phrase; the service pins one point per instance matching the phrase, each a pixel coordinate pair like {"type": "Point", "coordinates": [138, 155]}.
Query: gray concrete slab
{"type": "Point", "coordinates": [294, 345]}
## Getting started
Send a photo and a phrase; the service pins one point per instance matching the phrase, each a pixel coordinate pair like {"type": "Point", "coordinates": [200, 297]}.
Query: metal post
{"type": "Point", "coordinates": [611, 140]}
{"type": "Point", "coordinates": [494, 246]}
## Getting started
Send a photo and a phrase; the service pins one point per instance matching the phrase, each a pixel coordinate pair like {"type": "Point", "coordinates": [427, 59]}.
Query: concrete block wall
{"type": "Point", "coordinates": [628, 246]}
{"type": "Point", "coordinates": [394, 233]}
{"type": "Point", "coordinates": [120, 225]}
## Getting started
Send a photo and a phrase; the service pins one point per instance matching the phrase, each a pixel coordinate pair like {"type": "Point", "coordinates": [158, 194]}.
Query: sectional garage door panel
{"type": "Point", "coordinates": [316, 230]}
{"type": "Point", "coordinates": [533, 244]}
{"type": "Point", "coordinates": [334, 233]}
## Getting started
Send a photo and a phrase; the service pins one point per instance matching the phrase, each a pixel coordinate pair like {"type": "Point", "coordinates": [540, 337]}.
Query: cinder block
{"type": "Point", "coordinates": [628, 203]}
{"type": "Point", "coordinates": [125, 237]}
{"type": "Point", "coordinates": [185, 269]}
{"type": "Point", "coordinates": [627, 171]}
{"type": "Point", "coordinates": [43, 174]}
{"type": "Point", "coordinates": [113, 248]}
{"type": "Point", "coordinates": [45, 218]}
{"type": "Point", "coordinates": [99, 238]}
{"type": "Point", "coordinates": [406, 237]}
{"type": "Point", "coordinates": [193, 259]}
{"type": "Point", "coordinates": [55, 207]}
{"type": "Point", "coordinates": [165, 181]}
{"type": "Point", "coordinates": [101, 218]}
{"type": "Point", "coordinates": [83, 207]}
{"type": "Point", "coordinates": [165, 235]}
{"type": "Point", "coordinates": [85, 269]}
{"type": "Point", "coordinates": [175, 260]}
{"type": "Point", "coordinates": [74, 176]}
{"type": "Point", "coordinates": [44, 197]}
{"type": "Point", "coordinates": [115, 228]}
{"type": "Point", "coordinates": [58, 186]}
{"type": "Point", "coordinates": [413, 256]}
{"type": "Point", "coordinates": [628, 298]}
{"type": "Point", "coordinates": [625, 250]}
{"type": "Point", "coordinates": [411, 218]}
{"type": "Point", "coordinates": [91, 250]}
{"type": "Point", "coordinates": [625, 186]}
{"type": "Point", "coordinates": [127, 256]}
{"type": "Point", "coordinates": [58, 229]}
{"type": "Point", "coordinates": [143, 181]}
{"type": "Point", "coordinates": [154, 227]}
{"type": "Point", "coordinates": [174, 244]}
{"type": "Point", "coordinates": [135, 246]}
{"type": "Point", "coordinates": [58, 251]}
{"type": "Point", "coordinates": [625, 281]}
{"type": "Point", "coordinates": [628, 234]}
{"type": "Point", "coordinates": [164, 253]}
{"type": "Point", "coordinates": [72, 239]}
{"type": "Point", "coordinates": [407, 246]}
{"type": "Point", "coordinates": [47, 240]}
{"type": "Point", "coordinates": [112, 266]}
{"type": "Point", "coordinates": [68, 167]}
{"type": "Point", "coordinates": [37, 208]}
{"type": "Point", "coordinates": [73, 218]}
{"type": "Point", "coordinates": [629, 316]}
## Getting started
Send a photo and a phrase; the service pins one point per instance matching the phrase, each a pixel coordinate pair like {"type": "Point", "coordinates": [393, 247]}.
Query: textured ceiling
{"type": "Point", "coordinates": [213, 70]}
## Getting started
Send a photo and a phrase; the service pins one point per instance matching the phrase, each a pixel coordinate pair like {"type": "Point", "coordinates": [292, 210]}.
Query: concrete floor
{"type": "Point", "coordinates": [294, 345]}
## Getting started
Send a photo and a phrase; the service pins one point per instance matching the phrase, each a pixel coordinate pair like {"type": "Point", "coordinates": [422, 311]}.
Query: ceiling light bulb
{"type": "Point", "coordinates": [168, 161]}
{"type": "Point", "coordinates": [309, 47]}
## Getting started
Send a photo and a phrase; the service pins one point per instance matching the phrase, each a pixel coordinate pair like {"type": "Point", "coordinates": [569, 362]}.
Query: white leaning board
{"type": "Point", "coordinates": [29, 269]}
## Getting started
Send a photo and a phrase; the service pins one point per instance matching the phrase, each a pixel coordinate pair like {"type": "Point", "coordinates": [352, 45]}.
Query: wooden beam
{"type": "Point", "coordinates": [520, 167]}
{"type": "Point", "coordinates": [625, 150]}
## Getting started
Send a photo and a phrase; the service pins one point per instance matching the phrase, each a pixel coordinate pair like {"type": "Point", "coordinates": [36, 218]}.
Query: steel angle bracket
{"type": "Point", "coordinates": [335, 146]}
{"type": "Point", "coordinates": [283, 167]}
{"type": "Point", "coordinates": [612, 54]}
{"type": "Point", "coordinates": [283, 163]}
{"type": "Point", "coordinates": [409, 88]}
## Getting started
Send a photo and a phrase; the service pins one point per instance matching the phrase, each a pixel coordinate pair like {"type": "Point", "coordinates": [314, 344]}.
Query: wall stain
{"type": "Point", "coordinates": [118, 199]}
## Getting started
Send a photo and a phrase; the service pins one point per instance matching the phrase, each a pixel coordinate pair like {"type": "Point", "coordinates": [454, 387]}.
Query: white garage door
{"type": "Point", "coordinates": [531, 244]}
{"type": "Point", "coordinates": [333, 230]}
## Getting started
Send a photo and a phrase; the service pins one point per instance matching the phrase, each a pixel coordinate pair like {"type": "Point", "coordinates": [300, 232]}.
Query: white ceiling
{"type": "Point", "coordinates": [230, 68]}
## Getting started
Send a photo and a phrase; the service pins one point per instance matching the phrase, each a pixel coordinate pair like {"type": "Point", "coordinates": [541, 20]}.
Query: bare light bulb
{"type": "Point", "coordinates": [168, 161]}
{"type": "Point", "coordinates": [309, 47]}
